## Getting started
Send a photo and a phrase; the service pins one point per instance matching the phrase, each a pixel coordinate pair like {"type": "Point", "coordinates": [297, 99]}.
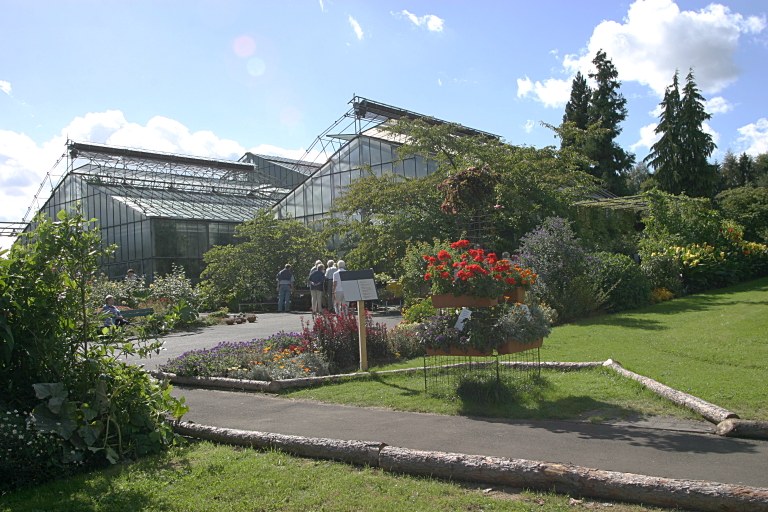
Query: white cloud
{"type": "Point", "coordinates": [357, 28]}
{"type": "Point", "coordinates": [718, 105]}
{"type": "Point", "coordinates": [753, 138]}
{"type": "Point", "coordinates": [430, 21]}
{"type": "Point", "coordinates": [322, 5]}
{"type": "Point", "coordinates": [529, 124]}
{"type": "Point", "coordinates": [5, 87]}
{"type": "Point", "coordinates": [648, 137]}
{"type": "Point", "coordinates": [552, 92]}
{"type": "Point", "coordinates": [656, 38]}
{"type": "Point", "coordinates": [439, 82]}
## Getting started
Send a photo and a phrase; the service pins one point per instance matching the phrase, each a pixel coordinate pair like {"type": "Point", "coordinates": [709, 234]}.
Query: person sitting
{"type": "Point", "coordinates": [114, 317]}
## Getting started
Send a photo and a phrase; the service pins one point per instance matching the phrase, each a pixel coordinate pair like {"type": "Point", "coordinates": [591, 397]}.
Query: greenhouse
{"type": "Point", "coordinates": [162, 209]}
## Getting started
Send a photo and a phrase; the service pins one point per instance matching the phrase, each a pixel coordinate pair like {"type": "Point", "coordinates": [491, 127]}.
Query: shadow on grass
{"type": "Point", "coordinates": [407, 391]}
{"type": "Point", "coordinates": [96, 490]}
{"type": "Point", "coordinates": [691, 303]}
{"type": "Point", "coordinates": [525, 399]}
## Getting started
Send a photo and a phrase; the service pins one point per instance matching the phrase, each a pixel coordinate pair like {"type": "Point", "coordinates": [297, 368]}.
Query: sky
{"type": "Point", "coordinates": [217, 78]}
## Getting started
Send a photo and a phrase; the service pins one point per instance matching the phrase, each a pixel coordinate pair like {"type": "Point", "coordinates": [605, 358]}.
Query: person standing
{"type": "Point", "coordinates": [330, 269]}
{"type": "Point", "coordinates": [316, 285]}
{"type": "Point", "coordinates": [339, 304]}
{"type": "Point", "coordinates": [285, 282]}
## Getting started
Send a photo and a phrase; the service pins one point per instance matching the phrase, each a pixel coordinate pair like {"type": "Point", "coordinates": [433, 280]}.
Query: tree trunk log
{"type": "Point", "coordinates": [734, 427]}
{"type": "Point", "coordinates": [575, 480]}
{"type": "Point", "coordinates": [709, 411]}
{"type": "Point", "coordinates": [563, 478]}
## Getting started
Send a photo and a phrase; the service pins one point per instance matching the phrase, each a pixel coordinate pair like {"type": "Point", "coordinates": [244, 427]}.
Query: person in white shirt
{"type": "Point", "coordinates": [330, 269]}
{"type": "Point", "coordinates": [339, 304]}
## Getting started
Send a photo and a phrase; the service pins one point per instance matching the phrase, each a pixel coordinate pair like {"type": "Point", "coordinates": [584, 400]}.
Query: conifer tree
{"type": "Point", "coordinates": [607, 109]}
{"type": "Point", "coordinates": [592, 121]}
{"type": "Point", "coordinates": [680, 156]}
{"type": "Point", "coordinates": [577, 109]}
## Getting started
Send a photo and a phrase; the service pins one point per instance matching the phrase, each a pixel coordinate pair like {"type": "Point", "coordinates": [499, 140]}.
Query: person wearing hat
{"type": "Point", "coordinates": [113, 314]}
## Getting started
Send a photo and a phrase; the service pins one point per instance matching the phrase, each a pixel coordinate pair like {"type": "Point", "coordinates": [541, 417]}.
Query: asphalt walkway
{"type": "Point", "coordinates": [655, 447]}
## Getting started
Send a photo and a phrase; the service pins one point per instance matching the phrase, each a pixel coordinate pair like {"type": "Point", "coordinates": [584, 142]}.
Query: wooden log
{"type": "Point", "coordinates": [563, 478]}
{"type": "Point", "coordinates": [734, 427]}
{"type": "Point", "coordinates": [363, 453]}
{"type": "Point", "coordinates": [575, 480]}
{"type": "Point", "coordinates": [709, 411]}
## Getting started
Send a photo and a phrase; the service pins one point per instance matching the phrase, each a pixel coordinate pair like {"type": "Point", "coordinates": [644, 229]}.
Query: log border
{"type": "Point", "coordinates": [520, 473]}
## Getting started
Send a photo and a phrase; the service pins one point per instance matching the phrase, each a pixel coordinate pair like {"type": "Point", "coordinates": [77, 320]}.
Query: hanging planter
{"type": "Point", "coordinates": [448, 300]}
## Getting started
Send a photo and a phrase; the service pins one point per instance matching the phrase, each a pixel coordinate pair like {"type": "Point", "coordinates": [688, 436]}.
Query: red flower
{"type": "Point", "coordinates": [461, 244]}
{"type": "Point", "coordinates": [443, 255]}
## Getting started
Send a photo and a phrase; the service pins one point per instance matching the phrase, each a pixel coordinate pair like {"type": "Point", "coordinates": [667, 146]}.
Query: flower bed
{"type": "Point", "coordinates": [281, 356]}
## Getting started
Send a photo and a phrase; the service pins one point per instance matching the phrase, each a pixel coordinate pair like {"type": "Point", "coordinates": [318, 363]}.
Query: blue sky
{"type": "Point", "coordinates": [217, 78]}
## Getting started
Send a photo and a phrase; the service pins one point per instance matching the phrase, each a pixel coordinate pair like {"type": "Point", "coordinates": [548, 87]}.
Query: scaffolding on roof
{"type": "Point", "coordinates": [176, 186]}
{"type": "Point", "coordinates": [370, 118]}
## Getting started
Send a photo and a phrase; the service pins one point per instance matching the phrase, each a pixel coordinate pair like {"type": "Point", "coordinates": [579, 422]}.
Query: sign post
{"type": "Point", "coordinates": [358, 285]}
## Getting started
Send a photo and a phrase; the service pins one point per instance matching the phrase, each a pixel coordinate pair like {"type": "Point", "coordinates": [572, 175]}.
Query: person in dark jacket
{"type": "Point", "coordinates": [285, 282]}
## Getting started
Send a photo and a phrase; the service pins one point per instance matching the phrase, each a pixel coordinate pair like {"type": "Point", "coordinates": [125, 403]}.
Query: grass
{"type": "Point", "coordinates": [206, 477]}
{"type": "Point", "coordinates": [593, 395]}
{"type": "Point", "coordinates": [711, 345]}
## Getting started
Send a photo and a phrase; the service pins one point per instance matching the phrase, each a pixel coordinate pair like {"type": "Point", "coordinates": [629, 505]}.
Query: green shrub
{"type": "Point", "coordinates": [622, 280]}
{"type": "Point", "coordinates": [59, 362]}
{"type": "Point", "coordinates": [563, 267]}
{"type": "Point", "coordinates": [418, 310]}
{"type": "Point", "coordinates": [663, 271]}
{"type": "Point", "coordinates": [27, 456]}
{"type": "Point", "coordinates": [405, 342]}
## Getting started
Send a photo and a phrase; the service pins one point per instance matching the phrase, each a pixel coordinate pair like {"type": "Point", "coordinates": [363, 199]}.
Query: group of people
{"type": "Point", "coordinates": [325, 287]}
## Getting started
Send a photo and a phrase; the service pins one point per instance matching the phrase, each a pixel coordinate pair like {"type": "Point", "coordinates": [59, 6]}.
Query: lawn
{"type": "Point", "coordinates": [205, 477]}
{"type": "Point", "coordinates": [711, 345]}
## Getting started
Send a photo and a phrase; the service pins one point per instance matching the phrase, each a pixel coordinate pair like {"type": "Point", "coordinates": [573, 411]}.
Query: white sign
{"type": "Point", "coordinates": [464, 315]}
{"type": "Point", "coordinates": [359, 285]}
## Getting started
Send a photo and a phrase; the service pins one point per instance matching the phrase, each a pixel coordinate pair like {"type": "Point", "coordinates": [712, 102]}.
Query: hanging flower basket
{"type": "Point", "coordinates": [449, 300]}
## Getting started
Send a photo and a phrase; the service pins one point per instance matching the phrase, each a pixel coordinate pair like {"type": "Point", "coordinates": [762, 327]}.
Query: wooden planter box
{"type": "Point", "coordinates": [448, 300]}
{"type": "Point", "coordinates": [509, 347]}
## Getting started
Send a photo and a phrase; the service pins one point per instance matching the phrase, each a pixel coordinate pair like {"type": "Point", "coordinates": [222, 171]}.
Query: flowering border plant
{"type": "Point", "coordinates": [461, 270]}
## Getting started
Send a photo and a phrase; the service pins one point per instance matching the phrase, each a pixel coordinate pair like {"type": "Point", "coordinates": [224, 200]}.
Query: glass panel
{"type": "Point", "coordinates": [375, 151]}
{"type": "Point", "coordinates": [409, 168]}
{"type": "Point", "coordinates": [317, 197]}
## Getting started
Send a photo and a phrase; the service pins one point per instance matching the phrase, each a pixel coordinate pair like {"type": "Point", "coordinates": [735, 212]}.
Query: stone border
{"type": "Point", "coordinates": [520, 473]}
{"type": "Point", "coordinates": [727, 423]}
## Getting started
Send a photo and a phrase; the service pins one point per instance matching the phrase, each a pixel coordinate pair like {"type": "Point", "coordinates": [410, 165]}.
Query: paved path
{"type": "Point", "coordinates": [665, 448]}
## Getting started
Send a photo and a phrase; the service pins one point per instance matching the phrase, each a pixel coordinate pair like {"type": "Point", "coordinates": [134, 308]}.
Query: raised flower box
{"type": "Point", "coordinates": [508, 347]}
{"type": "Point", "coordinates": [449, 300]}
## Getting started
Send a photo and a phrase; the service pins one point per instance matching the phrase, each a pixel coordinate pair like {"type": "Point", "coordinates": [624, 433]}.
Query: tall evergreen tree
{"type": "Point", "coordinates": [680, 156]}
{"type": "Point", "coordinates": [592, 121]}
{"type": "Point", "coordinates": [729, 171]}
{"type": "Point", "coordinates": [699, 177]}
{"type": "Point", "coordinates": [746, 170]}
{"type": "Point", "coordinates": [607, 109]}
{"type": "Point", "coordinates": [665, 155]}
{"type": "Point", "coordinates": [577, 109]}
